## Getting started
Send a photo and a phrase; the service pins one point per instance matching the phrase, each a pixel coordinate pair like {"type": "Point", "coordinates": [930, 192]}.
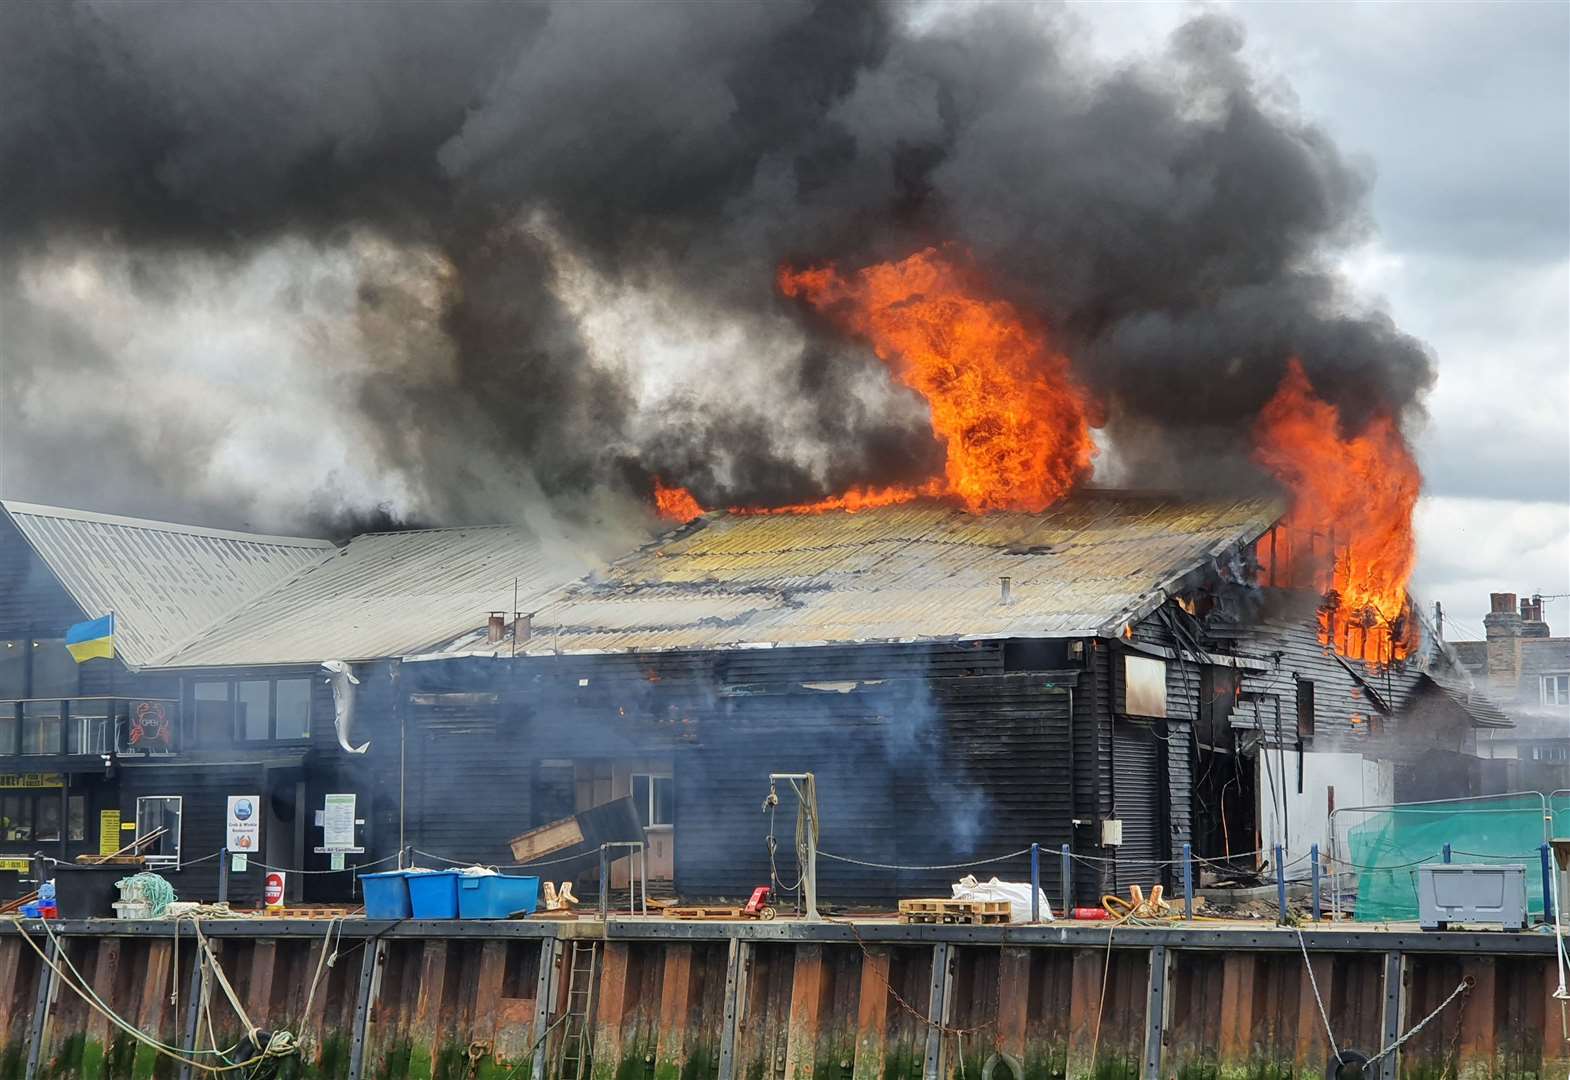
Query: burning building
{"type": "Point", "coordinates": [1111, 675]}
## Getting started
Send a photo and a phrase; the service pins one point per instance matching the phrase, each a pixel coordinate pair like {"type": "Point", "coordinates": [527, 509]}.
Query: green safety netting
{"type": "Point", "coordinates": [1385, 848]}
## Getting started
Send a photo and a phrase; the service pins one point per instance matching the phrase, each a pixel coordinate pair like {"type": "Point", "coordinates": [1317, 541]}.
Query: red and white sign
{"type": "Point", "coordinates": [272, 888]}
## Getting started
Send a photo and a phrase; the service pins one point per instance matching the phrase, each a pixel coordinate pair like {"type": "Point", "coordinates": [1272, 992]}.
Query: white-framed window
{"type": "Point", "coordinates": [154, 812]}
{"type": "Point", "coordinates": [1555, 688]}
{"type": "Point", "coordinates": [655, 798]}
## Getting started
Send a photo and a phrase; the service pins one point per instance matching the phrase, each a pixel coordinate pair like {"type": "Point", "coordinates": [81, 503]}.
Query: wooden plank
{"type": "Point", "coordinates": [1312, 1048]}
{"type": "Point", "coordinates": [1237, 1007]}
{"type": "Point", "coordinates": [259, 993]}
{"type": "Point", "coordinates": [676, 986]}
{"type": "Point", "coordinates": [1013, 1001]}
{"type": "Point", "coordinates": [806, 1004]}
{"type": "Point", "coordinates": [610, 1011]}
{"type": "Point", "coordinates": [1556, 1025]}
{"type": "Point", "coordinates": [872, 1014]}
{"type": "Point", "coordinates": [425, 1026]}
{"type": "Point", "coordinates": [1479, 1044]}
{"type": "Point", "coordinates": [1084, 1009]}
{"type": "Point", "coordinates": [11, 990]}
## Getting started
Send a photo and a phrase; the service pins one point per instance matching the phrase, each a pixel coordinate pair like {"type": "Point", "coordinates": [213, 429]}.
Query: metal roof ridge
{"type": "Point", "coordinates": [15, 506]}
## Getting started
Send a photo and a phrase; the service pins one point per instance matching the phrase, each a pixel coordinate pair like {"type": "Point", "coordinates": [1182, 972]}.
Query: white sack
{"type": "Point", "coordinates": [1018, 895]}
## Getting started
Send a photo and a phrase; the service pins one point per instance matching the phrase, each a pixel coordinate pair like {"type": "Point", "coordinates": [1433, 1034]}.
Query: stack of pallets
{"type": "Point", "coordinates": [955, 911]}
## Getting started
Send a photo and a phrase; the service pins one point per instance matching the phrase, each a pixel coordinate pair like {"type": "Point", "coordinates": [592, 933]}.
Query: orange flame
{"type": "Point", "coordinates": [675, 503]}
{"type": "Point", "coordinates": [1349, 527]}
{"type": "Point", "coordinates": [1013, 419]}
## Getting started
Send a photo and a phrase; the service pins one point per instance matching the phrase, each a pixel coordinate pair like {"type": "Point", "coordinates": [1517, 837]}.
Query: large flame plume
{"type": "Point", "coordinates": [1348, 531]}
{"type": "Point", "coordinates": [1014, 422]}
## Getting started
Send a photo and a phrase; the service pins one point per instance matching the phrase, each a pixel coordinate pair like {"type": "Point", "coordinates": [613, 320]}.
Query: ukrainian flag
{"type": "Point", "coordinates": [93, 638]}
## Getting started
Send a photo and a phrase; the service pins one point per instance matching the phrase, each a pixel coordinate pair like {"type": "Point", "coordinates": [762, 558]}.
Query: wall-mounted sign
{"type": "Point", "coordinates": [31, 780]}
{"type": "Point", "coordinates": [244, 823]}
{"type": "Point", "coordinates": [109, 832]}
{"type": "Point", "coordinates": [238, 863]}
{"type": "Point", "coordinates": [338, 823]}
{"type": "Point", "coordinates": [20, 866]}
{"type": "Point", "coordinates": [272, 889]}
{"type": "Point", "coordinates": [150, 726]}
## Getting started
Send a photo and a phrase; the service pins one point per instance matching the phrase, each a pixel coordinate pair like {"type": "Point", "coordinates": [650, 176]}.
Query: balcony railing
{"type": "Point", "coordinates": [50, 727]}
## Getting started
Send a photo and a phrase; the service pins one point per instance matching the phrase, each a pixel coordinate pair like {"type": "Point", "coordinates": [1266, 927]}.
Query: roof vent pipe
{"type": "Point", "coordinates": [1007, 592]}
{"type": "Point", "coordinates": [495, 627]}
{"type": "Point", "coordinates": [522, 627]}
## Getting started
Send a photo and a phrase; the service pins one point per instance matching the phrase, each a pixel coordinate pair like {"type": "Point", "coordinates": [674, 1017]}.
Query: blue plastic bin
{"type": "Point", "coordinates": [386, 894]}
{"type": "Point", "coordinates": [496, 896]}
{"type": "Point", "coordinates": [433, 895]}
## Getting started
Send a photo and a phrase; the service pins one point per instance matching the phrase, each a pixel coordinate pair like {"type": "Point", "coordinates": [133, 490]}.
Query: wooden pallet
{"type": "Point", "coordinates": [703, 913]}
{"type": "Point", "coordinates": [305, 911]}
{"type": "Point", "coordinates": [938, 910]}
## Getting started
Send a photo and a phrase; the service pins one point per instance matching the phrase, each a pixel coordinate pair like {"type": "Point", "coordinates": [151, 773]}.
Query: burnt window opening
{"type": "Point", "coordinates": [1036, 654]}
{"type": "Point", "coordinates": [1305, 708]}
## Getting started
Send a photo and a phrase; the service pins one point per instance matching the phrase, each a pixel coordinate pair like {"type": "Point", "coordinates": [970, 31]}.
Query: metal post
{"type": "Point", "coordinates": [1543, 853]}
{"type": "Point", "coordinates": [1313, 858]}
{"type": "Point", "coordinates": [1155, 1012]}
{"type": "Point", "coordinates": [1445, 854]}
{"type": "Point", "coordinates": [193, 1009]}
{"type": "Point", "coordinates": [223, 876]}
{"type": "Point", "coordinates": [1281, 887]}
{"type": "Point", "coordinates": [43, 1005]}
{"type": "Point", "coordinates": [1188, 880]}
{"type": "Point", "coordinates": [605, 883]}
{"type": "Point", "coordinates": [544, 1001]}
{"type": "Point", "coordinates": [807, 794]}
{"type": "Point", "coordinates": [1035, 883]}
{"type": "Point", "coordinates": [1395, 970]}
{"type": "Point", "coordinates": [933, 1065]}
{"type": "Point", "coordinates": [733, 987]}
{"type": "Point", "coordinates": [374, 957]}
{"type": "Point", "coordinates": [1068, 883]}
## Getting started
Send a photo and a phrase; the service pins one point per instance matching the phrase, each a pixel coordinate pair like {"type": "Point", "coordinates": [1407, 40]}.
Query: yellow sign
{"type": "Point", "coordinates": [21, 866]}
{"type": "Point", "coordinates": [108, 832]}
{"type": "Point", "coordinates": [31, 780]}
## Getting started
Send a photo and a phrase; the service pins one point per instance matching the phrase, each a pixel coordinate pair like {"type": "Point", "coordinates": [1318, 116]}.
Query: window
{"type": "Point", "coordinates": [1555, 689]}
{"type": "Point", "coordinates": [55, 671]}
{"type": "Point", "coordinates": [46, 817]}
{"type": "Point", "coordinates": [155, 812]}
{"type": "Point", "coordinates": [42, 727]}
{"type": "Point", "coordinates": [13, 669]}
{"type": "Point", "coordinates": [1551, 753]}
{"type": "Point", "coordinates": [16, 817]}
{"type": "Point", "coordinates": [653, 796]}
{"type": "Point", "coordinates": [252, 704]}
{"type": "Point", "coordinates": [1305, 708]}
{"type": "Point", "coordinates": [293, 709]}
{"type": "Point", "coordinates": [92, 728]}
{"type": "Point", "coordinates": [213, 725]}
{"type": "Point", "coordinates": [251, 710]}
{"type": "Point", "coordinates": [1144, 686]}
{"type": "Point", "coordinates": [30, 815]}
{"type": "Point", "coordinates": [8, 713]}
{"type": "Point", "coordinates": [76, 818]}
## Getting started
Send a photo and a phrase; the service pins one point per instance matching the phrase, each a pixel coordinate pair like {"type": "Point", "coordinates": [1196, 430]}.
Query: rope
{"type": "Point", "coordinates": [347, 869]}
{"type": "Point", "coordinates": [1461, 987]}
{"type": "Point", "coordinates": [282, 1043]}
{"type": "Point", "coordinates": [940, 866]}
{"type": "Point", "coordinates": [156, 891]}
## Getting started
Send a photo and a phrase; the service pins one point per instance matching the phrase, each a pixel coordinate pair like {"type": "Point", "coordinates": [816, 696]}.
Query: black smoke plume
{"type": "Point", "coordinates": [421, 259]}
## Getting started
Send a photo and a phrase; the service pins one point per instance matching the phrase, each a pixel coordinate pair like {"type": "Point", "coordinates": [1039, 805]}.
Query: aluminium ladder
{"type": "Point", "coordinates": [573, 1053]}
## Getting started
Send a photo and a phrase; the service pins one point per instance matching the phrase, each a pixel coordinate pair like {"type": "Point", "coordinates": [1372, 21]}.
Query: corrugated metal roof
{"type": "Point", "coordinates": [387, 594]}
{"type": "Point", "coordinates": [164, 582]}
{"type": "Point", "coordinates": [922, 571]}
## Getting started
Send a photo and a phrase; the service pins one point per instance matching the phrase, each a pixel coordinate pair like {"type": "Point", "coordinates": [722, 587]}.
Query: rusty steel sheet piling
{"type": "Point", "coordinates": [785, 1001]}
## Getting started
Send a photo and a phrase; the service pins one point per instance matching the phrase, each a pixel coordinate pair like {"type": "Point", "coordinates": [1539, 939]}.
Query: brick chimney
{"type": "Point", "coordinates": [1502, 624]}
{"type": "Point", "coordinates": [1532, 624]}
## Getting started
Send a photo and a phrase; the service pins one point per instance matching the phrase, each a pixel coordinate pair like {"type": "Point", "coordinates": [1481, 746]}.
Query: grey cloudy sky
{"type": "Point", "coordinates": [1463, 113]}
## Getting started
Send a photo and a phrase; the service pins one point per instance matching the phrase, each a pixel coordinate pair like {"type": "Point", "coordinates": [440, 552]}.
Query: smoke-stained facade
{"type": "Point", "coordinates": [454, 263]}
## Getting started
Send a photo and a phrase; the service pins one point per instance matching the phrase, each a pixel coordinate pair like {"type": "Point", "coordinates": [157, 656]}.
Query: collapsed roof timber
{"type": "Point", "coordinates": [1108, 674]}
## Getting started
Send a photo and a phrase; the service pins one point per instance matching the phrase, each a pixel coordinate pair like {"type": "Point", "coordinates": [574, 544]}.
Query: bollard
{"type": "Point", "coordinates": [1313, 858]}
{"type": "Point", "coordinates": [1188, 880]}
{"type": "Point", "coordinates": [1281, 886]}
{"type": "Point", "coordinates": [1068, 882]}
{"type": "Point", "coordinates": [1035, 883]}
{"type": "Point", "coordinates": [1445, 854]}
{"type": "Point", "coordinates": [1548, 882]}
